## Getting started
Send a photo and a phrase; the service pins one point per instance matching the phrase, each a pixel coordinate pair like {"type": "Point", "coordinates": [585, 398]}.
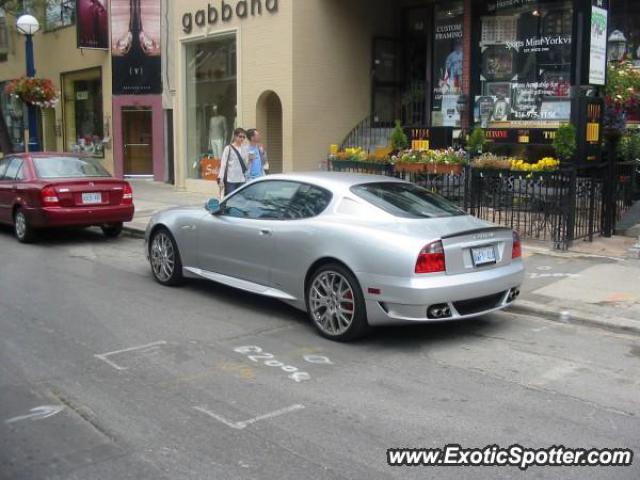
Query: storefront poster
{"type": "Point", "coordinates": [598, 50]}
{"type": "Point", "coordinates": [92, 24]}
{"type": "Point", "coordinates": [135, 47]}
{"type": "Point", "coordinates": [448, 64]}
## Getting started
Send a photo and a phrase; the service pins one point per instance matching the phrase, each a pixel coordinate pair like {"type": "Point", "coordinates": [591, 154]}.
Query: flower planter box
{"type": "Point", "coordinates": [444, 169]}
{"type": "Point", "coordinates": [411, 167]}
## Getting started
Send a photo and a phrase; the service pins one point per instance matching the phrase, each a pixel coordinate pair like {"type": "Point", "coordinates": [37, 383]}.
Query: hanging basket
{"type": "Point", "coordinates": [34, 91]}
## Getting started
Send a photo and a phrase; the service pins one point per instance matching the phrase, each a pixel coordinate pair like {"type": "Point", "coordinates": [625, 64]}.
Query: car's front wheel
{"type": "Point", "coordinates": [335, 303]}
{"type": "Point", "coordinates": [22, 228]}
{"type": "Point", "coordinates": [164, 257]}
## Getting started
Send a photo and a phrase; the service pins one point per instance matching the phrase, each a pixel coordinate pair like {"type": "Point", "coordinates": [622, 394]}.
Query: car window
{"type": "Point", "coordinates": [262, 200]}
{"type": "Point", "coordinates": [12, 169]}
{"type": "Point", "coordinates": [68, 167]}
{"type": "Point", "coordinates": [4, 163]}
{"type": "Point", "coordinates": [406, 200]}
{"type": "Point", "coordinates": [309, 201]}
{"type": "Point", "coordinates": [21, 175]}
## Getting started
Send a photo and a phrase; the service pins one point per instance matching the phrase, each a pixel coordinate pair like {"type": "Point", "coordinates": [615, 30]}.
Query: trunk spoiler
{"type": "Point", "coordinates": [477, 231]}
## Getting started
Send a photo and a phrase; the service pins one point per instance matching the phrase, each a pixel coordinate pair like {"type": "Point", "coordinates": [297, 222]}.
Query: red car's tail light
{"type": "Point", "coordinates": [516, 251]}
{"type": "Point", "coordinates": [127, 194]}
{"type": "Point", "coordinates": [431, 259]}
{"type": "Point", "coordinates": [49, 197]}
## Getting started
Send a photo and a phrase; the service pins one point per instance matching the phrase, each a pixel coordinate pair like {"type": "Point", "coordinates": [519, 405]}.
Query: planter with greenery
{"type": "Point", "coordinates": [565, 142]}
{"type": "Point", "coordinates": [398, 139]}
{"type": "Point", "coordinates": [476, 142]}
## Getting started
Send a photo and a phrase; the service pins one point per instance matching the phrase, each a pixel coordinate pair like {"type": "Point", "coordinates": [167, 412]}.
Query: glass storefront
{"type": "Point", "coordinates": [83, 115]}
{"type": "Point", "coordinates": [524, 64]}
{"type": "Point", "coordinates": [14, 117]}
{"type": "Point", "coordinates": [211, 91]}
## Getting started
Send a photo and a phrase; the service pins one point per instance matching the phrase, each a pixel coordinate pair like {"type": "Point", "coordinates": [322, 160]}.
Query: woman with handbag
{"type": "Point", "coordinates": [233, 165]}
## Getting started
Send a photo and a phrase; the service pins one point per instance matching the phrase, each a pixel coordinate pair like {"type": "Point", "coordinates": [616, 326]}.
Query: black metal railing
{"type": "Point", "coordinates": [369, 135]}
{"type": "Point", "coordinates": [560, 207]}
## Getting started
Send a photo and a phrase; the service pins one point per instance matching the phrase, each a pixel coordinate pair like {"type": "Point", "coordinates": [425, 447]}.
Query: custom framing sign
{"type": "Point", "coordinates": [92, 24]}
{"type": "Point", "coordinates": [135, 47]}
{"type": "Point", "coordinates": [598, 46]}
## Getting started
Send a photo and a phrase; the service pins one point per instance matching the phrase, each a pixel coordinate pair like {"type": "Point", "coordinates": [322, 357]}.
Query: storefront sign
{"type": "Point", "coordinates": [225, 11]}
{"type": "Point", "coordinates": [92, 24]}
{"type": "Point", "coordinates": [135, 47]}
{"type": "Point", "coordinates": [598, 50]}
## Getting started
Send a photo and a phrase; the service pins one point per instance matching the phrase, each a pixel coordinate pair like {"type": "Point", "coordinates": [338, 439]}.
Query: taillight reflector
{"type": "Point", "coordinates": [49, 197]}
{"type": "Point", "coordinates": [127, 194]}
{"type": "Point", "coordinates": [431, 259]}
{"type": "Point", "coordinates": [516, 251]}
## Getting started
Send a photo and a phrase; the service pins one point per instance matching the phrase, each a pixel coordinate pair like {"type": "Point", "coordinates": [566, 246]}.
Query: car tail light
{"type": "Point", "coordinates": [49, 197]}
{"type": "Point", "coordinates": [516, 251]}
{"type": "Point", "coordinates": [431, 259]}
{"type": "Point", "coordinates": [127, 194]}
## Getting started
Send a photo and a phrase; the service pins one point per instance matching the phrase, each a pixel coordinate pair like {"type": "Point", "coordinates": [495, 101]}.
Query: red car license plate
{"type": "Point", "coordinates": [91, 198]}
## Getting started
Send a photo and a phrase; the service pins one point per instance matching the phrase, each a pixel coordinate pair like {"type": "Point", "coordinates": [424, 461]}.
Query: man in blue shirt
{"type": "Point", "coordinates": [258, 162]}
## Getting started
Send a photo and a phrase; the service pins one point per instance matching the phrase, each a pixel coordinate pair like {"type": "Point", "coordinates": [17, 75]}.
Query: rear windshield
{"type": "Point", "coordinates": [406, 200]}
{"type": "Point", "coordinates": [68, 167]}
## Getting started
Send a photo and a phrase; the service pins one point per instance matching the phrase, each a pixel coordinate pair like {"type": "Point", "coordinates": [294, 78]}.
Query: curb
{"type": "Point", "coordinates": [617, 325]}
{"type": "Point", "coordinates": [133, 232]}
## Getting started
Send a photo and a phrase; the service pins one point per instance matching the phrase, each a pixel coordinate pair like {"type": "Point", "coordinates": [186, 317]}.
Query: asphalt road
{"type": "Point", "coordinates": [145, 382]}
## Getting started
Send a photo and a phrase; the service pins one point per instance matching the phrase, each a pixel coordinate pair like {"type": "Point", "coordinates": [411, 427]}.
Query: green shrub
{"type": "Point", "coordinates": [565, 142]}
{"type": "Point", "coordinates": [476, 141]}
{"type": "Point", "coordinates": [398, 140]}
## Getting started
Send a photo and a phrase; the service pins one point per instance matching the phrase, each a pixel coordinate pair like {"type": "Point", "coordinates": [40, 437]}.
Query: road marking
{"type": "Point", "coordinates": [147, 348]}
{"type": "Point", "coordinates": [318, 359]}
{"type": "Point", "coordinates": [38, 413]}
{"type": "Point", "coordinates": [257, 355]}
{"type": "Point", "coordinates": [244, 424]}
{"type": "Point", "coordinates": [554, 275]}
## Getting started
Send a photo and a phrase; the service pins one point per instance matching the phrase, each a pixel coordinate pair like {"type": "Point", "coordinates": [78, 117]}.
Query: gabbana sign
{"type": "Point", "coordinates": [225, 12]}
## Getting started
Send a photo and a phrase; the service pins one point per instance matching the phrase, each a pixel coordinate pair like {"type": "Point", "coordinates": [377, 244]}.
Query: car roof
{"type": "Point", "coordinates": [332, 180]}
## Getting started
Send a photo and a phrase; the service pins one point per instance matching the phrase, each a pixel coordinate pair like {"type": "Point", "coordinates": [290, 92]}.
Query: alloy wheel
{"type": "Point", "coordinates": [332, 303]}
{"type": "Point", "coordinates": [163, 257]}
{"type": "Point", "coordinates": [20, 225]}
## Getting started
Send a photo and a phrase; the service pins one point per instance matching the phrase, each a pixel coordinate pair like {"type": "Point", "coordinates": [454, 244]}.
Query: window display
{"type": "Point", "coordinates": [83, 120]}
{"type": "Point", "coordinates": [447, 64]}
{"type": "Point", "coordinates": [211, 103]}
{"type": "Point", "coordinates": [14, 116]}
{"type": "Point", "coordinates": [525, 64]}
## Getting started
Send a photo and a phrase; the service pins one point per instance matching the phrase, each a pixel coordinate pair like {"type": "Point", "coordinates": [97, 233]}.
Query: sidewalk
{"type": "Point", "coordinates": [596, 283]}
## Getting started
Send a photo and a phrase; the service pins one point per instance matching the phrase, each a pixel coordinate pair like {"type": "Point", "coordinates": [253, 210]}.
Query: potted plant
{"type": "Point", "coordinates": [398, 139]}
{"type": "Point", "coordinates": [411, 161]}
{"type": "Point", "coordinates": [565, 142]}
{"type": "Point", "coordinates": [476, 142]}
{"type": "Point", "coordinates": [34, 91]}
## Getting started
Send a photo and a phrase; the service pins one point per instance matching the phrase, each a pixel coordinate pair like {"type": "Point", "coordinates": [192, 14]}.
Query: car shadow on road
{"type": "Point", "coordinates": [62, 236]}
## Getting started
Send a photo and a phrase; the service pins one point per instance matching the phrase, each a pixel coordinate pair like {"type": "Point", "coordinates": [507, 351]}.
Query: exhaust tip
{"type": "Point", "coordinates": [440, 311]}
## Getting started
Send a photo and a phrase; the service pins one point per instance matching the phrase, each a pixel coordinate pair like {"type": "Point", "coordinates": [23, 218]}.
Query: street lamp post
{"type": "Point", "coordinates": [28, 25]}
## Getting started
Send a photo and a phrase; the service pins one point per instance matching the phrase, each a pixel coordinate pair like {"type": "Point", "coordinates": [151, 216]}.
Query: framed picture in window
{"type": "Point", "coordinates": [497, 63]}
{"type": "Point", "coordinates": [497, 89]}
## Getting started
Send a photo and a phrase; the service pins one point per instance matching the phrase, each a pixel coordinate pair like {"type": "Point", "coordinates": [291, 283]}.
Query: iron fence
{"type": "Point", "coordinates": [562, 206]}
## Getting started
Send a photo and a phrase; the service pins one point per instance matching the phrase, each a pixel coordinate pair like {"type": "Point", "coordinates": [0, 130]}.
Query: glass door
{"type": "Point", "coordinates": [138, 144]}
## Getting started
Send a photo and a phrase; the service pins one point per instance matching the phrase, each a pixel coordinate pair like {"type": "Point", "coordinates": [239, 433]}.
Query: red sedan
{"type": "Point", "coordinates": [40, 190]}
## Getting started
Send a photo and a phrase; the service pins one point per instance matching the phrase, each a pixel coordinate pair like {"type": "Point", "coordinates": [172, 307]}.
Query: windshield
{"type": "Point", "coordinates": [406, 200]}
{"type": "Point", "coordinates": [68, 167]}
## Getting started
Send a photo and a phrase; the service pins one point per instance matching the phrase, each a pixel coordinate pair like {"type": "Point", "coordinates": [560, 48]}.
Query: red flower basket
{"type": "Point", "coordinates": [34, 91]}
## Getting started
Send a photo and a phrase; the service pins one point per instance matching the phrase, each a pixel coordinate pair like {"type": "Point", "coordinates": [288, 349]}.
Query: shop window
{"type": "Point", "coordinates": [15, 118]}
{"type": "Point", "coordinates": [525, 64]}
{"type": "Point", "coordinates": [447, 64]}
{"type": "Point", "coordinates": [4, 37]}
{"type": "Point", "coordinates": [83, 115]}
{"type": "Point", "coordinates": [624, 30]}
{"type": "Point", "coordinates": [60, 13]}
{"type": "Point", "coordinates": [211, 103]}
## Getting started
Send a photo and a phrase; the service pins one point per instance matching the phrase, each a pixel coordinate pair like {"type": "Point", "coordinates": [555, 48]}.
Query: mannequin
{"type": "Point", "coordinates": [217, 133]}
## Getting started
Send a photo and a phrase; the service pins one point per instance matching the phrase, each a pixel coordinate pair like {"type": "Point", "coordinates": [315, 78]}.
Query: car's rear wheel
{"type": "Point", "coordinates": [335, 303]}
{"type": "Point", "coordinates": [22, 229]}
{"type": "Point", "coordinates": [112, 230]}
{"type": "Point", "coordinates": [164, 257]}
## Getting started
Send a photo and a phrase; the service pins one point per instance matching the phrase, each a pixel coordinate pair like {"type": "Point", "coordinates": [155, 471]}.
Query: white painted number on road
{"type": "Point", "coordinates": [319, 359]}
{"type": "Point", "coordinates": [255, 354]}
{"type": "Point", "coordinates": [38, 413]}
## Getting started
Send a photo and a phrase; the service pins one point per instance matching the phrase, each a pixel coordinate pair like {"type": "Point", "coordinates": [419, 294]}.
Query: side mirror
{"type": "Point", "coordinates": [213, 206]}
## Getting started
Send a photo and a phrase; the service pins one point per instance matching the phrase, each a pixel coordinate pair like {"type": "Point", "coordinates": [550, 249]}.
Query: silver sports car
{"type": "Point", "coordinates": [353, 251]}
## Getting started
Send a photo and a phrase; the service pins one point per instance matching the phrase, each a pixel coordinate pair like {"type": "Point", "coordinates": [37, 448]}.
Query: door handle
{"type": "Point", "coordinates": [265, 232]}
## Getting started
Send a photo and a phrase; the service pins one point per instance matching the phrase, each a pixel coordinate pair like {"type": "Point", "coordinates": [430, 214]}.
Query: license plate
{"type": "Point", "coordinates": [91, 198]}
{"type": "Point", "coordinates": [483, 256]}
